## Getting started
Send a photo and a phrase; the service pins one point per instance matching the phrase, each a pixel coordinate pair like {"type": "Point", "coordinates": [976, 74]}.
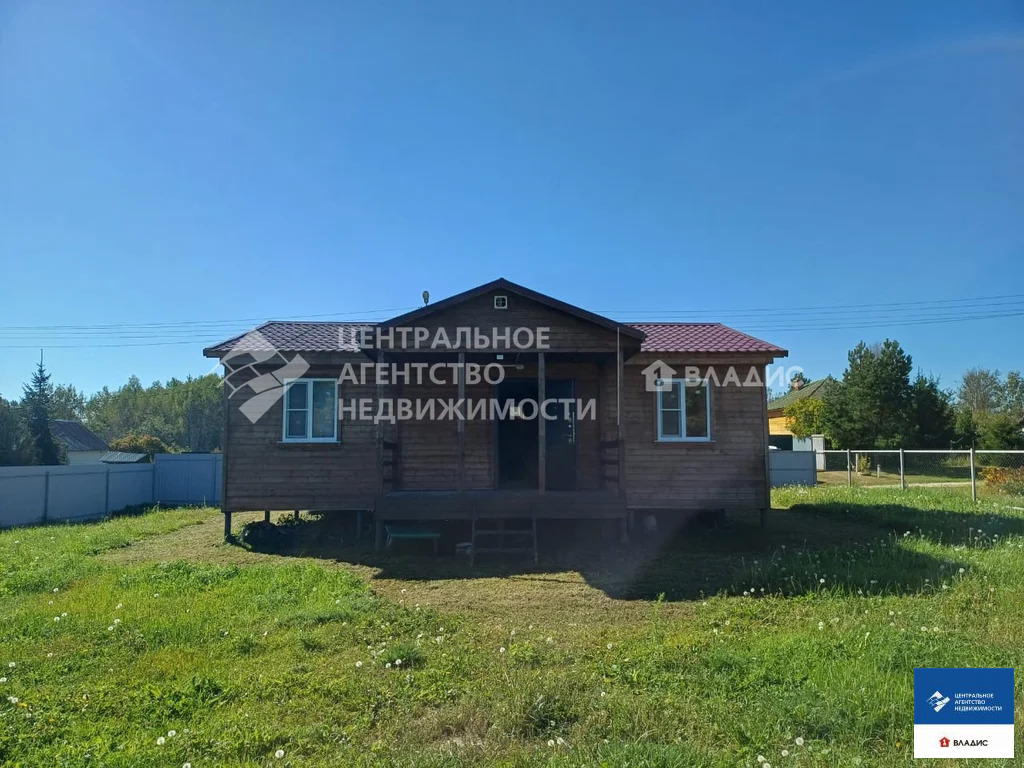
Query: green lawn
{"type": "Point", "coordinates": [146, 641]}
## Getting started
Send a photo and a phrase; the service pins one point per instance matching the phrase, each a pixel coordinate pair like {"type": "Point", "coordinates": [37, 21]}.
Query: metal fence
{"type": "Point", "coordinates": [972, 471]}
{"type": "Point", "coordinates": [71, 493]}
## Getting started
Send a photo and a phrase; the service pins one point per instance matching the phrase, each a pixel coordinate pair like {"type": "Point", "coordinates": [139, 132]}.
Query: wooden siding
{"type": "Point", "coordinates": [778, 425]}
{"type": "Point", "coordinates": [567, 333]}
{"type": "Point", "coordinates": [262, 472]}
{"type": "Point", "coordinates": [728, 472]}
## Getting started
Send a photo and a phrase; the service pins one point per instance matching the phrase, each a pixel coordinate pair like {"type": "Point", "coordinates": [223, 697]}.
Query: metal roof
{"type": "Point", "coordinates": [75, 436]}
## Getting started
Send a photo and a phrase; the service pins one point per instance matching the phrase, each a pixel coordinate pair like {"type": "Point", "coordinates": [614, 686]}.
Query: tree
{"type": "Point", "coordinates": [933, 418]}
{"type": "Point", "coordinates": [38, 404]}
{"type": "Point", "coordinates": [804, 417]}
{"type": "Point", "coordinates": [872, 407]}
{"type": "Point", "coordinates": [16, 446]}
{"type": "Point", "coordinates": [68, 403]}
{"type": "Point", "coordinates": [980, 390]}
{"type": "Point", "coordinates": [999, 432]}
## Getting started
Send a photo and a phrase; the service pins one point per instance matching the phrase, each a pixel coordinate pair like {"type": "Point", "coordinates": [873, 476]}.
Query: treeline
{"type": "Point", "coordinates": [179, 415]}
{"type": "Point", "coordinates": [879, 404]}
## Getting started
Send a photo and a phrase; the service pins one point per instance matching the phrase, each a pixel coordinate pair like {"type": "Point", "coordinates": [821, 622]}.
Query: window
{"type": "Point", "coordinates": [684, 412]}
{"type": "Point", "coordinates": [311, 410]}
{"type": "Point", "coordinates": [501, 302]}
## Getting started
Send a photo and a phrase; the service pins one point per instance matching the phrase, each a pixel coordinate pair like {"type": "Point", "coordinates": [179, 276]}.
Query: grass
{"type": "Point", "coordinates": [725, 646]}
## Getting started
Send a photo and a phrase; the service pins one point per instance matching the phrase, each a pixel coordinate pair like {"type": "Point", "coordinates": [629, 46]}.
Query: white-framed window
{"type": "Point", "coordinates": [310, 411]}
{"type": "Point", "coordinates": [684, 412]}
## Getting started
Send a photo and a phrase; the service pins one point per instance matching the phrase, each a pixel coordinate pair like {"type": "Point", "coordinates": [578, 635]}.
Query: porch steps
{"type": "Point", "coordinates": [493, 536]}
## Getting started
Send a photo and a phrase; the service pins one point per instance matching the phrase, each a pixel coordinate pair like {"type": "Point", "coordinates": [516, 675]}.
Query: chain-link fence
{"type": "Point", "coordinates": [979, 473]}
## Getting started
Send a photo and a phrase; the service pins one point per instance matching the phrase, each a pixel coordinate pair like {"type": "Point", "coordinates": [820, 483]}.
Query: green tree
{"type": "Point", "coordinates": [872, 407]}
{"type": "Point", "coordinates": [68, 403]}
{"type": "Point", "coordinates": [805, 417]}
{"type": "Point", "coordinates": [933, 416]}
{"type": "Point", "coordinates": [16, 446]}
{"type": "Point", "coordinates": [980, 390]}
{"type": "Point", "coordinates": [999, 432]}
{"type": "Point", "coordinates": [37, 401]}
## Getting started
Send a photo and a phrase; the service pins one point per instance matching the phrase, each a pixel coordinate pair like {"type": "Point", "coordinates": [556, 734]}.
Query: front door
{"type": "Point", "coordinates": [517, 439]}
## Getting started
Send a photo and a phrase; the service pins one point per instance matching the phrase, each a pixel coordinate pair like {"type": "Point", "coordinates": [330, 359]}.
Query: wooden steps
{"type": "Point", "coordinates": [493, 536]}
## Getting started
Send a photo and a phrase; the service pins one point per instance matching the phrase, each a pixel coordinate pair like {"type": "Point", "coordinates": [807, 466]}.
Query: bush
{"type": "Point", "coordinates": [1005, 479]}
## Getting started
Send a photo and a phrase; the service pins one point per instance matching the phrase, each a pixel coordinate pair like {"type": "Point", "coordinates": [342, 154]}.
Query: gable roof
{"type": "Point", "coordinates": [501, 284]}
{"type": "Point", "coordinates": [690, 338]}
{"type": "Point", "coordinates": [75, 436]}
{"type": "Point", "coordinates": [700, 337]}
{"type": "Point", "coordinates": [812, 389]}
{"type": "Point", "coordinates": [122, 457]}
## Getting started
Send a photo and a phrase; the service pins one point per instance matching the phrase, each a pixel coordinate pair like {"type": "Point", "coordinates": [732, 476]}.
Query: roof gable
{"type": "Point", "coordinates": [814, 389]}
{"type": "Point", "coordinates": [75, 436]}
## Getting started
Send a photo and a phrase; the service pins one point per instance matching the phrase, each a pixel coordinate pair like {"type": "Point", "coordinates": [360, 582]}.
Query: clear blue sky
{"type": "Point", "coordinates": [196, 161]}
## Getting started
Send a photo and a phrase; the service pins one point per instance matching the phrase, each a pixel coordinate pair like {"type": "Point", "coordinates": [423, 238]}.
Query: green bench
{"type": "Point", "coordinates": [394, 532]}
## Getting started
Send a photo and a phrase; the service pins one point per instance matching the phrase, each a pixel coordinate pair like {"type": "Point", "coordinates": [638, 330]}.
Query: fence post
{"type": "Point", "coordinates": [46, 497]}
{"type": "Point", "coordinates": [903, 475]}
{"type": "Point", "coordinates": [974, 479]}
{"type": "Point", "coordinates": [849, 467]}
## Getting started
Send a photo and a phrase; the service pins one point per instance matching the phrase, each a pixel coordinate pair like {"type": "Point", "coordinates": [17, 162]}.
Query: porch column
{"type": "Point", "coordinates": [460, 424]}
{"type": "Point", "coordinates": [542, 431]}
{"type": "Point", "coordinates": [620, 427]}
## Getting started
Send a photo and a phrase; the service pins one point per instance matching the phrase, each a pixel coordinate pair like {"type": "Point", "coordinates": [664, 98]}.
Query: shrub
{"type": "Point", "coordinates": [1005, 479]}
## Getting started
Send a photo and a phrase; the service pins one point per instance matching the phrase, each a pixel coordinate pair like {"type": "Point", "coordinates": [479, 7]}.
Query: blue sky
{"type": "Point", "coordinates": [168, 163]}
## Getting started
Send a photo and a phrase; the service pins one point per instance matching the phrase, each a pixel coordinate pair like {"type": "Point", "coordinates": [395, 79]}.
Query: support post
{"type": "Point", "coordinates": [227, 525]}
{"type": "Point", "coordinates": [542, 430]}
{"type": "Point", "coordinates": [460, 423]}
{"type": "Point", "coordinates": [903, 474]}
{"type": "Point", "coordinates": [974, 478]}
{"type": "Point", "coordinates": [46, 497]}
{"type": "Point", "coordinates": [849, 467]}
{"type": "Point", "coordinates": [106, 494]}
{"type": "Point", "coordinates": [378, 532]}
{"type": "Point", "coordinates": [619, 428]}
{"type": "Point", "coordinates": [266, 515]}
{"type": "Point", "coordinates": [296, 514]}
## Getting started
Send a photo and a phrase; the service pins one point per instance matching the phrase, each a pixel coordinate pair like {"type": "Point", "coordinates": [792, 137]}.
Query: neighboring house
{"type": "Point", "coordinates": [82, 446]}
{"type": "Point", "coordinates": [778, 423]}
{"type": "Point", "coordinates": [635, 438]}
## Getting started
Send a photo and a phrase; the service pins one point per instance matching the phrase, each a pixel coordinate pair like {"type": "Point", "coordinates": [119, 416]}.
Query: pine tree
{"type": "Point", "coordinates": [38, 404]}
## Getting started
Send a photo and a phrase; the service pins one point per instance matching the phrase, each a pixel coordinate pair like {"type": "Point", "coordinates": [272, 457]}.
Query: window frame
{"type": "Point", "coordinates": [308, 438]}
{"type": "Point", "coordinates": [682, 437]}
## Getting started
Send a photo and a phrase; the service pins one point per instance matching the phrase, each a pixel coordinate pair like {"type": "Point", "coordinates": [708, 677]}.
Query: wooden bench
{"type": "Point", "coordinates": [394, 532]}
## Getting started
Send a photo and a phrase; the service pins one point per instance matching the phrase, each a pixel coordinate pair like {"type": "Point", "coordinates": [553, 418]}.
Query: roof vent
{"type": "Point", "coordinates": [501, 302]}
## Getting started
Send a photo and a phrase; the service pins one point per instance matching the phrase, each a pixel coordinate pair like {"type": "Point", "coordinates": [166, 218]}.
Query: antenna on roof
{"type": "Point", "coordinates": [426, 297]}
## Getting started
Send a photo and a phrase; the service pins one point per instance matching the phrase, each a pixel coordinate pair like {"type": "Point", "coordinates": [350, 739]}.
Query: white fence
{"type": "Point", "coordinates": [793, 468]}
{"type": "Point", "coordinates": [33, 495]}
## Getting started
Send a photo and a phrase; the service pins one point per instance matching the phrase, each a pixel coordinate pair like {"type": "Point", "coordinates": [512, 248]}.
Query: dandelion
{"type": "Point", "coordinates": [160, 741]}
{"type": "Point", "coordinates": [549, 641]}
{"type": "Point", "coordinates": [156, 594]}
{"type": "Point", "coordinates": [760, 759]}
{"type": "Point", "coordinates": [12, 699]}
{"type": "Point", "coordinates": [502, 649]}
{"type": "Point", "coordinates": [186, 765]}
{"type": "Point", "coordinates": [609, 646]}
{"type": "Point", "coordinates": [961, 570]}
{"type": "Point", "coordinates": [551, 742]}
{"type": "Point", "coordinates": [398, 662]}
{"type": "Point", "coordinates": [110, 628]}
{"type": "Point", "coordinates": [785, 753]}
{"type": "Point", "coordinates": [821, 581]}
{"type": "Point", "coordinates": [118, 621]}
{"type": "Point", "coordinates": [821, 625]}
{"type": "Point", "coordinates": [388, 665]}
{"type": "Point", "coordinates": [359, 664]}
{"type": "Point", "coordinates": [56, 618]}
{"type": "Point", "coordinates": [279, 754]}
{"type": "Point", "coordinates": [171, 734]}
{"type": "Point", "coordinates": [603, 694]}
{"type": "Point", "coordinates": [49, 655]}
{"type": "Point", "coordinates": [3, 679]}
{"type": "Point", "coordinates": [559, 741]}
{"type": "Point", "coordinates": [55, 589]}
{"type": "Point", "coordinates": [799, 741]}
{"type": "Point", "coordinates": [119, 607]}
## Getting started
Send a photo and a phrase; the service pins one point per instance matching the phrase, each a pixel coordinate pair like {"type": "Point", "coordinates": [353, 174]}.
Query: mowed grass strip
{"type": "Point", "coordinates": [803, 655]}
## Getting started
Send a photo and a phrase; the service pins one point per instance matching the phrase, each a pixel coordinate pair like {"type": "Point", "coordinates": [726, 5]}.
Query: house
{"type": "Point", "coordinates": [778, 423]}
{"type": "Point", "coordinates": [82, 445]}
{"type": "Point", "coordinates": [499, 403]}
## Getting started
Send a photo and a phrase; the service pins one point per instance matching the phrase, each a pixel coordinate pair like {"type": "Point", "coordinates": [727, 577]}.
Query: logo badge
{"type": "Point", "coordinates": [963, 712]}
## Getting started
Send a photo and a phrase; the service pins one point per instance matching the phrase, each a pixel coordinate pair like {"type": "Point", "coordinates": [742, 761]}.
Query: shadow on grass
{"type": "Point", "coordinates": [854, 547]}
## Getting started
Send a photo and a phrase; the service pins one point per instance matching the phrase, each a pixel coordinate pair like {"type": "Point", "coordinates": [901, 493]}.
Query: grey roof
{"type": "Point", "coordinates": [75, 436]}
{"type": "Point", "coordinates": [121, 457]}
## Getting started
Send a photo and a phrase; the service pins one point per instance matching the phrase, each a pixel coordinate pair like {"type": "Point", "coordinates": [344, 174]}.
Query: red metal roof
{"type": "Point", "coordinates": [708, 338]}
{"type": "Point", "coordinates": [712, 338]}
